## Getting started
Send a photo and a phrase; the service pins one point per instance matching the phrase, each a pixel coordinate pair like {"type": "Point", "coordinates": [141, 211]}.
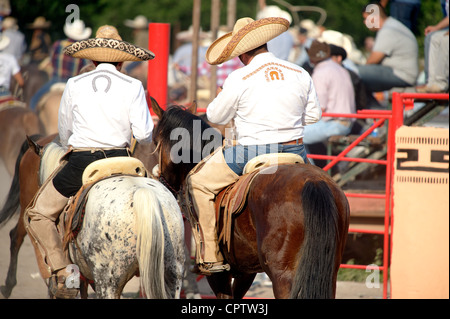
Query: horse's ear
{"type": "Point", "coordinates": [192, 108]}
{"type": "Point", "coordinates": [34, 146]}
{"type": "Point", "coordinates": [156, 108]}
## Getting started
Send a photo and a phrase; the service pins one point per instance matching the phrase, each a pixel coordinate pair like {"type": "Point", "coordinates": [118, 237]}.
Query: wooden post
{"type": "Point", "coordinates": [195, 47]}
{"type": "Point", "coordinates": [262, 4]}
{"type": "Point", "coordinates": [231, 14]}
{"type": "Point", "coordinates": [215, 23]}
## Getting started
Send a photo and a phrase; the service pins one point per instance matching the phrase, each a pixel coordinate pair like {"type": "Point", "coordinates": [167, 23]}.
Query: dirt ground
{"type": "Point", "coordinates": [31, 286]}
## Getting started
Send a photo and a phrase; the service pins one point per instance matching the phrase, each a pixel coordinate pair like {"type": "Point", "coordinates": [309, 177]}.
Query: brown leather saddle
{"type": "Point", "coordinates": [232, 200]}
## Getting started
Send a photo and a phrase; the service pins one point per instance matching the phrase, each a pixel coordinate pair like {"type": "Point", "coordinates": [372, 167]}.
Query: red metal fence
{"type": "Point", "coordinates": [394, 117]}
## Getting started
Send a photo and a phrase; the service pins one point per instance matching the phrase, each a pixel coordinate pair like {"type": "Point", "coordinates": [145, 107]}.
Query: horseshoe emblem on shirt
{"type": "Point", "coordinates": [274, 73]}
{"type": "Point", "coordinates": [101, 76]}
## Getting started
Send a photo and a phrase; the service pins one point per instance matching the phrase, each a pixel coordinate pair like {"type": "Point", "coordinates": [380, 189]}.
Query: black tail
{"type": "Point", "coordinates": [314, 274]}
{"type": "Point", "coordinates": [12, 200]}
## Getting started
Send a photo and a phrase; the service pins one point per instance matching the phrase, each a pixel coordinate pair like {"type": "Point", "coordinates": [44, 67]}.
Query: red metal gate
{"type": "Point", "coordinates": [400, 102]}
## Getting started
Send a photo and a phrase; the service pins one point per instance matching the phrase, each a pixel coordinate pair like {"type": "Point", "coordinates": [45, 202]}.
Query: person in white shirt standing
{"type": "Point", "coordinates": [99, 113]}
{"type": "Point", "coordinates": [270, 101]}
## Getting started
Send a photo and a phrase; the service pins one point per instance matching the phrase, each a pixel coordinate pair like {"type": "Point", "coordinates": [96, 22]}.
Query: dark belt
{"type": "Point", "coordinates": [298, 141]}
{"type": "Point", "coordinates": [105, 152]}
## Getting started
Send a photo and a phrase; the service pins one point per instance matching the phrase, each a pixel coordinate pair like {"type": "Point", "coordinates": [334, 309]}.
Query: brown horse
{"type": "Point", "coordinates": [16, 122]}
{"type": "Point", "coordinates": [293, 226]}
{"type": "Point", "coordinates": [24, 185]}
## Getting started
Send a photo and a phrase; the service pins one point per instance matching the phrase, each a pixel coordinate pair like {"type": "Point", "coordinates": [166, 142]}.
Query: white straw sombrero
{"type": "Point", "coordinates": [108, 46]}
{"type": "Point", "coordinates": [247, 35]}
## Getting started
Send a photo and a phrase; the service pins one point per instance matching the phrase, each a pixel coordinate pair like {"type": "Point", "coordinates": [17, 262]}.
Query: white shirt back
{"type": "Point", "coordinates": [8, 67]}
{"type": "Point", "coordinates": [102, 109]}
{"type": "Point", "coordinates": [270, 100]}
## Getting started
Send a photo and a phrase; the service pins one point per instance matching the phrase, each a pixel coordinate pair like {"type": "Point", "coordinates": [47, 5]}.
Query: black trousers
{"type": "Point", "coordinates": [69, 180]}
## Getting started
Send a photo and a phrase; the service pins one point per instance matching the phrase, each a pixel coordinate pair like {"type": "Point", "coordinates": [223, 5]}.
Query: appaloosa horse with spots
{"type": "Point", "coordinates": [132, 225]}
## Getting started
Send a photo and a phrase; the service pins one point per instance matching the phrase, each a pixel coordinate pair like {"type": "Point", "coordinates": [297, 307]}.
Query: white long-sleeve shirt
{"type": "Point", "coordinates": [270, 100]}
{"type": "Point", "coordinates": [103, 109]}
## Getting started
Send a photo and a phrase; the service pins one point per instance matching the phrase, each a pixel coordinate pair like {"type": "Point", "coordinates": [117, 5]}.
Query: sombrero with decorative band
{"type": "Point", "coordinates": [247, 35]}
{"type": "Point", "coordinates": [108, 46]}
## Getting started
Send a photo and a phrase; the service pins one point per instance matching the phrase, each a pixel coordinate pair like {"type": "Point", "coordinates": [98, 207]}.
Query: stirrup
{"type": "Point", "coordinates": [211, 268]}
{"type": "Point", "coordinates": [62, 292]}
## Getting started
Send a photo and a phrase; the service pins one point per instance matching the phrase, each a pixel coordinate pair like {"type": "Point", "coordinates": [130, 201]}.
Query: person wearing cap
{"type": "Point", "coordinates": [9, 67]}
{"type": "Point", "coordinates": [339, 55]}
{"type": "Point", "coordinates": [336, 95]}
{"type": "Point", "coordinates": [63, 66]}
{"type": "Point", "coordinates": [41, 42]}
{"type": "Point", "coordinates": [270, 101]}
{"type": "Point", "coordinates": [99, 113]}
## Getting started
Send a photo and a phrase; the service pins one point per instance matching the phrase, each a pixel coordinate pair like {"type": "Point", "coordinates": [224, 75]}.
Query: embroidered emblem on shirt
{"type": "Point", "coordinates": [101, 76]}
{"type": "Point", "coordinates": [274, 67]}
{"type": "Point", "coordinates": [274, 73]}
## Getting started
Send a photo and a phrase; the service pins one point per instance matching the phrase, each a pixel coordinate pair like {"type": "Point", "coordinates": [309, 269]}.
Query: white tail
{"type": "Point", "coordinates": [150, 243]}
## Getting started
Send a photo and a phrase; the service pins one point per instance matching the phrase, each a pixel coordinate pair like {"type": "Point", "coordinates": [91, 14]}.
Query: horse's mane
{"type": "Point", "coordinates": [52, 153]}
{"type": "Point", "coordinates": [180, 130]}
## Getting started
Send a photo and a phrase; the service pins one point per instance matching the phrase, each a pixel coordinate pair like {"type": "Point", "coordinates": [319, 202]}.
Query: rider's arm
{"type": "Point", "coordinates": [65, 116]}
{"type": "Point", "coordinates": [19, 79]}
{"type": "Point", "coordinates": [313, 111]}
{"type": "Point", "coordinates": [140, 118]}
{"type": "Point", "coordinates": [223, 108]}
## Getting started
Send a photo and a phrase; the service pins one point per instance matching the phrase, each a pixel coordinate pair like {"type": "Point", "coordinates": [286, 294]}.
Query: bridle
{"type": "Point", "coordinates": [161, 177]}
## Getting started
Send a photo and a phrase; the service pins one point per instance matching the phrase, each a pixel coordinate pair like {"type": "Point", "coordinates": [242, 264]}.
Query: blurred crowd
{"type": "Point", "coordinates": [389, 60]}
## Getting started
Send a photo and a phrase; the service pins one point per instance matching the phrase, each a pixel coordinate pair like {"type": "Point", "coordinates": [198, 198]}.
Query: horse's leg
{"type": "Point", "coordinates": [84, 285]}
{"type": "Point", "coordinates": [281, 282]}
{"type": "Point", "coordinates": [17, 235]}
{"type": "Point", "coordinates": [220, 283]}
{"type": "Point", "coordinates": [106, 290]}
{"type": "Point", "coordinates": [242, 284]}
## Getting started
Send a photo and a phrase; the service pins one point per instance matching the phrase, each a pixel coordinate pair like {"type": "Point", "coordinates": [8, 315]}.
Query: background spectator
{"type": "Point", "coordinates": [335, 92]}
{"type": "Point", "coordinates": [17, 45]}
{"type": "Point", "coordinates": [394, 58]}
{"type": "Point", "coordinates": [40, 41]}
{"type": "Point", "coordinates": [405, 11]}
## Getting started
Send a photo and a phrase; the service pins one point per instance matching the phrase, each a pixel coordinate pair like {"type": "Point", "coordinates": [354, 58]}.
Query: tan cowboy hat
{"type": "Point", "coordinates": [139, 22]}
{"type": "Point", "coordinates": [77, 30]}
{"type": "Point", "coordinates": [108, 46]}
{"type": "Point", "coordinates": [39, 23]}
{"type": "Point", "coordinates": [247, 35]}
{"type": "Point", "coordinates": [4, 41]}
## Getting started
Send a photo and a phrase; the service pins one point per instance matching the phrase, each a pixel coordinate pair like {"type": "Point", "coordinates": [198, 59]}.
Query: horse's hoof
{"type": "Point", "coordinates": [61, 292]}
{"type": "Point", "coordinates": [4, 292]}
